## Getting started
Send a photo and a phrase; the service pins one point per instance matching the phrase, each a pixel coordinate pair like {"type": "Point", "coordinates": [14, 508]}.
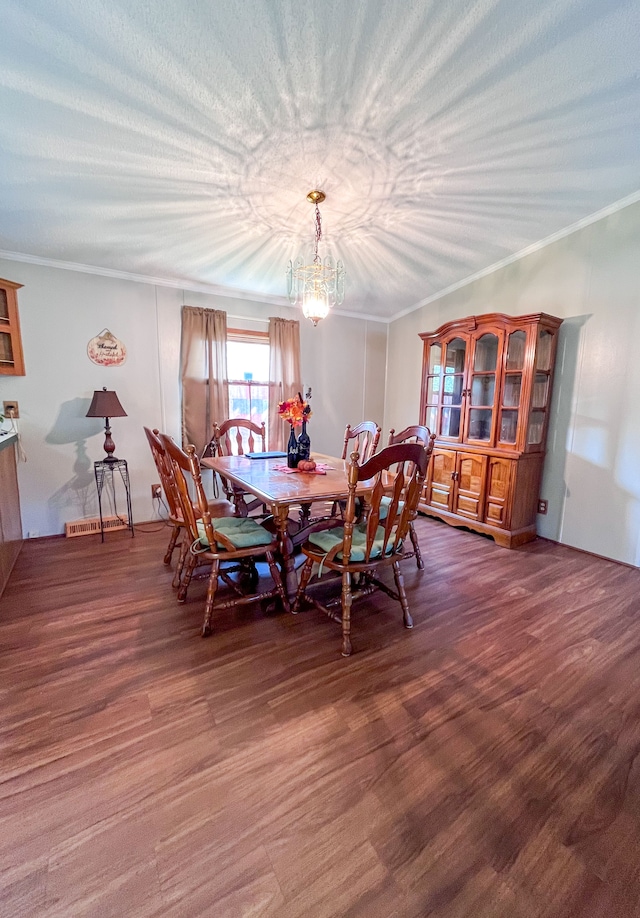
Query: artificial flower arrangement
{"type": "Point", "coordinates": [295, 410]}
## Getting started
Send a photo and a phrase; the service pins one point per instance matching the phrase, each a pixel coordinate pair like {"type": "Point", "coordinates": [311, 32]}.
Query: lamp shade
{"type": "Point", "coordinates": [105, 404]}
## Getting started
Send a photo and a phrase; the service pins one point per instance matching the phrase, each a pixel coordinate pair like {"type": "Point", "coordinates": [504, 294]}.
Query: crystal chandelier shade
{"type": "Point", "coordinates": [316, 286]}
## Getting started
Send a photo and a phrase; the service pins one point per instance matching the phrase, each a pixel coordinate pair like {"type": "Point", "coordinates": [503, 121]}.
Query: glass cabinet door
{"type": "Point", "coordinates": [482, 392]}
{"type": "Point", "coordinates": [511, 391]}
{"type": "Point", "coordinates": [541, 386]}
{"type": "Point", "coordinates": [452, 388]}
{"type": "Point", "coordinates": [11, 357]}
{"type": "Point", "coordinates": [6, 349]}
{"type": "Point", "coordinates": [433, 386]}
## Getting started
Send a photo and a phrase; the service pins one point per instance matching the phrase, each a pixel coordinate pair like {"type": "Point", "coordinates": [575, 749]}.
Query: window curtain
{"type": "Point", "coordinates": [285, 378]}
{"type": "Point", "coordinates": [203, 367]}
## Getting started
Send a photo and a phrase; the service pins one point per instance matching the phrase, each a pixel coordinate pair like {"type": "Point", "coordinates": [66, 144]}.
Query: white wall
{"type": "Point", "coordinates": [592, 471]}
{"type": "Point", "coordinates": [590, 279]}
{"type": "Point", "coordinates": [60, 311]}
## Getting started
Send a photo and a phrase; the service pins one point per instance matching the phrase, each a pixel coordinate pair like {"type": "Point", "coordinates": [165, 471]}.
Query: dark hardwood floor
{"type": "Point", "coordinates": [485, 764]}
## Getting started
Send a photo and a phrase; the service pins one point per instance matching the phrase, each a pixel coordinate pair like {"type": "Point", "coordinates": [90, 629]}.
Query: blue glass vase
{"type": "Point", "coordinates": [292, 450]}
{"type": "Point", "coordinates": [304, 443]}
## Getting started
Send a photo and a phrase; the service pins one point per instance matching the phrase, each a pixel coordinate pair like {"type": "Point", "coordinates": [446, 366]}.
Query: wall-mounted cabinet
{"type": "Point", "coordinates": [486, 388]}
{"type": "Point", "coordinates": [11, 358]}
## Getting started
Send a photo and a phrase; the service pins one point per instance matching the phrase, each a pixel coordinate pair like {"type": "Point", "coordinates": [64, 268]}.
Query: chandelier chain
{"type": "Point", "coordinates": [316, 257]}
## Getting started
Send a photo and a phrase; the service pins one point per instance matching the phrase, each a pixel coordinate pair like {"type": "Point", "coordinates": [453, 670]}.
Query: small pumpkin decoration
{"type": "Point", "coordinates": [306, 465]}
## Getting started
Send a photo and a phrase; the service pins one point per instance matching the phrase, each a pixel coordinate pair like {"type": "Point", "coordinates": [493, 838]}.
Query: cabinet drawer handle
{"type": "Point", "coordinates": [454, 476]}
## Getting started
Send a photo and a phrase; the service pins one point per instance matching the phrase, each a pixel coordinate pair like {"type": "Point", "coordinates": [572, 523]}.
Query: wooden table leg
{"type": "Point", "coordinates": [281, 515]}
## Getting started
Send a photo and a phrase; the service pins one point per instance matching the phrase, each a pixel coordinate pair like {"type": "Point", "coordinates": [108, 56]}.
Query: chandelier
{"type": "Point", "coordinates": [320, 285]}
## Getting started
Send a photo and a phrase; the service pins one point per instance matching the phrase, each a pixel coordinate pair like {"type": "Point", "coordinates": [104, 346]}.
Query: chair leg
{"type": "Point", "coordinates": [189, 568]}
{"type": "Point", "coordinates": [211, 595]}
{"type": "Point", "coordinates": [305, 577]}
{"type": "Point", "coordinates": [184, 548]}
{"type": "Point", "coordinates": [240, 505]}
{"type": "Point", "coordinates": [172, 544]}
{"type": "Point", "coordinates": [416, 547]}
{"type": "Point", "coordinates": [346, 614]}
{"type": "Point", "coordinates": [249, 574]}
{"type": "Point", "coordinates": [277, 579]}
{"type": "Point", "coordinates": [397, 573]}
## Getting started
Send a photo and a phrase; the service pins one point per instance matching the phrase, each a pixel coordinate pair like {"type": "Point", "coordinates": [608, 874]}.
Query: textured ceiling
{"type": "Point", "coordinates": [179, 139]}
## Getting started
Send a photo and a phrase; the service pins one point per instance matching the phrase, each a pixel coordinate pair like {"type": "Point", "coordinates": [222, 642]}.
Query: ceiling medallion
{"type": "Point", "coordinates": [320, 285]}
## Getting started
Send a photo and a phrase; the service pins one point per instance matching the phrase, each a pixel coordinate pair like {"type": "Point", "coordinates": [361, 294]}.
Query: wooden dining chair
{"type": "Point", "coordinates": [230, 439]}
{"type": "Point", "coordinates": [220, 541]}
{"type": "Point", "coordinates": [217, 507]}
{"type": "Point", "coordinates": [164, 474]}
{"type": "Point", "coordinates": [175, 519]}
{"type": "Point", "coordinates": [363, 439]}
{"type": "Point", "coordinates": [360, 548]}
{"type": "Point", "coordinates": [416, 433]}
{"type": "Point", "coordinates": [366, 436]}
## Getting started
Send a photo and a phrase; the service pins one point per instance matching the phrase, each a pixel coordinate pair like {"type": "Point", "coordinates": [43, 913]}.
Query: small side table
{"type": "Point", "coordinates": [104, 469]}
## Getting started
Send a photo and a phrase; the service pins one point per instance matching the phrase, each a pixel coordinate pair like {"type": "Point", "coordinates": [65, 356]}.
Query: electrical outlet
{"type": "Point", "coordinates": [10, 409]}
{"type": "Point", "coordinates": [156, 491]}
{"type": "Point", "coordinates": [543, 506]}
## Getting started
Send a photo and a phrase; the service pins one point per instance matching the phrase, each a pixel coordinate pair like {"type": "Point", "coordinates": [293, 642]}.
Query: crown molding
{"type": "Point", "coordinates": [211, 289]}
{"type": "Point", "coordinates": [363, 316]}
{"type": "Point", "coordinates": [529, 250]}
{"type": "Point", "coordinates": [214, 289]}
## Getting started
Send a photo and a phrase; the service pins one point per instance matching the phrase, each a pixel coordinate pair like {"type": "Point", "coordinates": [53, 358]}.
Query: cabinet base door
{"type": "Point", "coordinates": [470, 484]}
{"type": "Point", "coordinates": [440, 482]}
{"type": "Point", "coordinates": [498, 484]}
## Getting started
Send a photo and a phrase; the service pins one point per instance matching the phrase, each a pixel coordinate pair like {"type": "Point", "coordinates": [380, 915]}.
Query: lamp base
{"type": "Point", "coordinates": [108, 446]}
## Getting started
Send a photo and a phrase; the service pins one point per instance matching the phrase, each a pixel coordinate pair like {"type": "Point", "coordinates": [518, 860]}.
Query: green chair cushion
{"type": "Point", "coordinates": [385, 503]}
{"type": "Point", "coordinates": [329, 538]}
{"type": "Point", "coordinates": [242, 532]}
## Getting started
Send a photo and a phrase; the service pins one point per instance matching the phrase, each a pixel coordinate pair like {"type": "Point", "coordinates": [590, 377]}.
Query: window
{"type": "Point", "coordinates": [238, 383]}
{"type": "Point", "coordinates": [248, 374]}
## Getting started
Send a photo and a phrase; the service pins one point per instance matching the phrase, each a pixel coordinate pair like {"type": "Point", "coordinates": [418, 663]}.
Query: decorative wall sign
{"type": "Point", "coordinates": [106, 350]}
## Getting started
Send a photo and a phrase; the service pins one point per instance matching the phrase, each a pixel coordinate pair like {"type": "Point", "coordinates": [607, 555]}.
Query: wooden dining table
{"type": "Point", "coordinates": [280, 491]}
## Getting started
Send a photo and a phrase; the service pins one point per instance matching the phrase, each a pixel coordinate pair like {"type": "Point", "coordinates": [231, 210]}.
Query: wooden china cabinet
{"type": "Point", "coordinates": [486, 389]}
